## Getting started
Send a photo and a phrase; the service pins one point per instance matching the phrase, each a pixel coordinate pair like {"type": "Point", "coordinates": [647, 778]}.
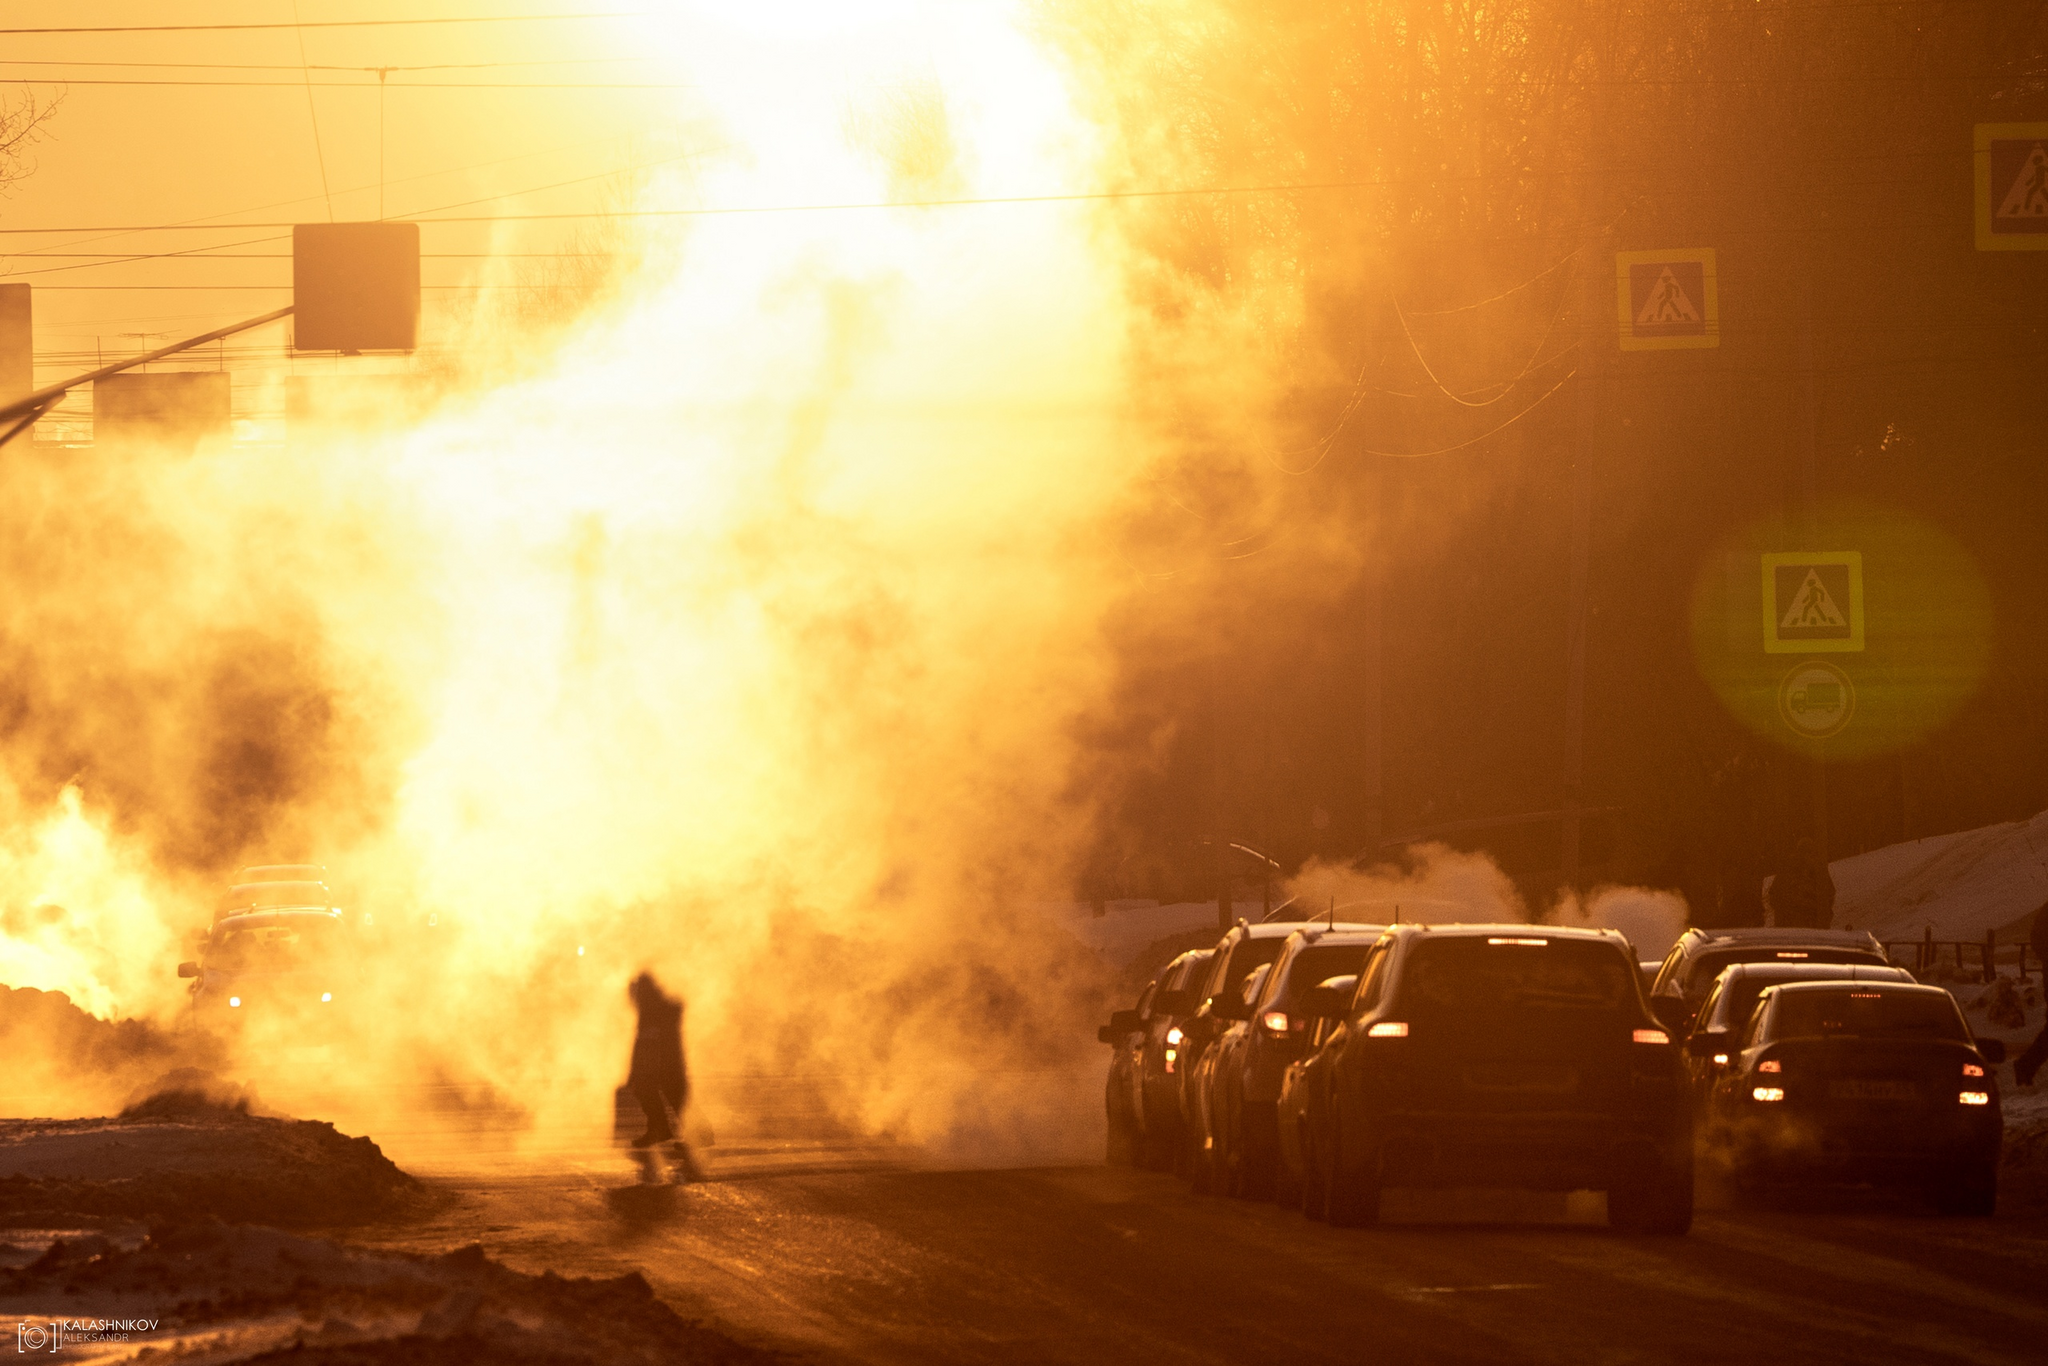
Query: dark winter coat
{"type": "Point", "coordinates": [658, 1047]}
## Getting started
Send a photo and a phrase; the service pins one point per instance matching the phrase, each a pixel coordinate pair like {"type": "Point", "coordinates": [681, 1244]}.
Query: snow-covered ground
{"type": "Point", "coordinates": [1958, 885]}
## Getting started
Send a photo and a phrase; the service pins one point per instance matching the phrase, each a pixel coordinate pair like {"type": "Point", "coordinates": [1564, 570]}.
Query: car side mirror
{"type": "Point", "coordinates": [188, 969]}
{"type": "Point", "coordinates": [1329, 998]}
{"type": "Point", "coordinates": [1121, 1023]}
{"type": "Point", "coordinates": [1993, 1050]}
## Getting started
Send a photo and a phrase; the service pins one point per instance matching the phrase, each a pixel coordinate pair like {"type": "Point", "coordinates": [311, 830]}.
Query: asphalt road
{"type": "Point", "coordinates": [843, 1251]}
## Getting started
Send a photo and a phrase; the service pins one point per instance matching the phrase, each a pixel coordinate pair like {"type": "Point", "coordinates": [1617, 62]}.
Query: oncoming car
{"type": "Point", "coordinates": [268, 963]}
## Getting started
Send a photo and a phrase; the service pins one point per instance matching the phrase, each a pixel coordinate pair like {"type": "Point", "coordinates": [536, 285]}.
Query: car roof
{"type": "Point", "coordinates": [272, 916]}
{"type": "Point", "coordinates": [1840, 972]}
{"type": "Point", "coordinates": [1364, 934]}
{"type": "Point", "coordinates": [1280, 929]}
{"type": "Point", "coordinates": [1465, 930]}
{"type": "Point", "coordinates": [1888, 988]}
{"type": "Point", "coordinates": [1767, 935]}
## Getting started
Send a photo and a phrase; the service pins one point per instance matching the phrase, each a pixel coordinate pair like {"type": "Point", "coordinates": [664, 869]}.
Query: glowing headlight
{"type": "Point", "coordinates": [1768, 1093]}
{"type": "Point", "coordinates": [234, 1000]}
{"type": "Point", "coordinates": [1275, 1022]}
{"type": "Point", "coordinates": [1720, 1060]}
{"type": "Point", "coordinates": [1174, 1036]}
{"type": "Point", "coordinates": [1975, 1097]}
{"type": "Point", "coordinates": [326, 995]}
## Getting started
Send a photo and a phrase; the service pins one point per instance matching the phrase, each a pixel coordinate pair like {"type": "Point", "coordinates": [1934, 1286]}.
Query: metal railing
{"type": "Point", "coordinates": [1925, 952]}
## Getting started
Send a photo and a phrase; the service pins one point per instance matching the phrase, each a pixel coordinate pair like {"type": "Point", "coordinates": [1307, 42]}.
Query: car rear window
{"type": "Point", "coordinates": [1314, 964]}
{"type": "Point", "coordinates": [1740, 995]}
{"type": "Point", "coordinates": [1867, 1014]}
{"type": "Point", "coordinates": [1475, 976]}
{"type": "Point", "coordinates": [1246, 958]}
{"type": "Point", "coordinates": [1708, 965]}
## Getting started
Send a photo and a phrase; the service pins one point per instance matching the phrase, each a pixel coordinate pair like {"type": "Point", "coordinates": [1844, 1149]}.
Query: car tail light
{"type": "Point", "coordinates": [1531, 943]}
{"type": "Point", "coordinates": [1768, 1093]}
{"type": "Point", "coordinates": [1974, 1097]}
{"type": "Point", "coordinates": [1651, 1036]}
{"type": "Point", "coordinates": [1387, 1029]}
{"type": "Point", "coordinates": [1792, 953]}
{"type": "Point", "coordinates": [1770, 1065]}
{"type": "Point", "coordinates": [1720, 1060]}
{"type": "Point", "coordinates": [1275, 1022]}
{"type": "Point", "coordinates": [1971, 1069]}
{"type": "Point", "coordinates": [1171, 1054]}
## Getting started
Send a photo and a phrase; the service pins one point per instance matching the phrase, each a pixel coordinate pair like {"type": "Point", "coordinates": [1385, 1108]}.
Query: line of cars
{"type": "Point", "coordinates": [1320, 1064]}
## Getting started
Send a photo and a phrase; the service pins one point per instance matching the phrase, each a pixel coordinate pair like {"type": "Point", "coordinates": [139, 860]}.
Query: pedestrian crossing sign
{"type": "Point", "coordinates": [1667, 300]}
{"type": "Point", "coordinates": [2012, 186]}
{"type": "Point", "coordinates": [1813, 601]}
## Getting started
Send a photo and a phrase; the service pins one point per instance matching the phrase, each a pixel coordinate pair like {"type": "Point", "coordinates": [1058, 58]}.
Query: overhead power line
{"type": "Point", "coordinates": [368, 85]}
{"type": "Point", "coordinates": [325, 23]}
{"type": "Point", "coordinates": [317, 66]}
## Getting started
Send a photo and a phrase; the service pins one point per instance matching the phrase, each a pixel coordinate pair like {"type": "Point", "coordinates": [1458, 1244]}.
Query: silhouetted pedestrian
{"type": "Point", "coordinates": [658, 1078]}
{"type": "Point", "coordinates": [2029, 1062]}
{"type": "Point", "coordinates": [1803, 895]}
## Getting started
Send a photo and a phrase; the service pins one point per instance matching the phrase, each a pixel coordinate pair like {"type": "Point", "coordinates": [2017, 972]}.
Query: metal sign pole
{"type": "Point", "coordinates": [24, 411]}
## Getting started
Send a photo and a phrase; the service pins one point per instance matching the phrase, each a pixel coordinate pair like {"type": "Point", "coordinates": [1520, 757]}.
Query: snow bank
{"type": "Point", "coordinates": [1958, 885]}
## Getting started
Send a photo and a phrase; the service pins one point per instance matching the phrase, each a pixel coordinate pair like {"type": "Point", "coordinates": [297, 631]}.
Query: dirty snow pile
{"type": "Point", "coordinates": [215, 1294]}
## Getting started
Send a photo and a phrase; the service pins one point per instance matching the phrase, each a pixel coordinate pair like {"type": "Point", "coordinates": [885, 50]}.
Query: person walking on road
{"type": "Point", "coordinates": [2028, 1063]}
{"type": "Point", "coordinates": [658, 1079]}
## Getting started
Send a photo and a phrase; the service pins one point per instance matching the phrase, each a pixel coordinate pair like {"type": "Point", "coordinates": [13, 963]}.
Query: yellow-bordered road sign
{"type": "Point", "coordinates": [1667, 300]}
{"type": "Point", "coordinates": [1816, 699]}
{"type": "Point", "coordinates": [2012, 186]}
{"type": "Point", "coordinates": [1813, 601]}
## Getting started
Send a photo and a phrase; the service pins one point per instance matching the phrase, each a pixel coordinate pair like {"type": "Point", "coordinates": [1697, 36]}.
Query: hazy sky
{"type": "Point", "coordinates": [140, 154]}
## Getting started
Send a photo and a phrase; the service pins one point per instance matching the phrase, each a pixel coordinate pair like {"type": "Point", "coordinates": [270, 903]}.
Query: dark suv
{"type": "Point", "coordinates": [1237, 1155]}
{"type": "Point", "coordinates": [1219, 1000]}
{"type": "Point", "coordinates": [1699, 955]}
{"type": "Point", "coordinates": [1504, 1055]}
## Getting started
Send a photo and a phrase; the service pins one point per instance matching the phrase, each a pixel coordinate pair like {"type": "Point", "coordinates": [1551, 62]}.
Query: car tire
{"type": "Point", "coordinates": [1972, 1195]}
{"type": "Point", "coordinates": [1658, 1201]}
{"type": "Point", "coordinates": [1286, 1186]}
{"type": "Point", "coordinates": [1121, 1150]}
{"type": "Point", "coordinates": [1258, 1161]}
{"type": "Point", "coordinates": [1353, 1200]}
{"type": "Point", "coordinates": [1202, 1166]}
{"type": "Point", "coordinates": [1315, 1185]}
{"type": "Point", "coordinates": [1157, 1155]}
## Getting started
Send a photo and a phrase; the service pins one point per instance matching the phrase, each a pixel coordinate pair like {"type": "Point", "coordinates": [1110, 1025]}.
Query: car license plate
{"type": "Point", "coordinates": [1522, 1080]}
{"type": "Point", "coordinates": [1873, 1090]}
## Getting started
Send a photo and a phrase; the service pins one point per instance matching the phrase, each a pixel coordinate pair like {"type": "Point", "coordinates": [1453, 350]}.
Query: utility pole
{"type": "Point", "coordinates": [1592, 402]}
{"type": "Point", "coordinates": [1372, 636]}
{"type": "Point", "coordinates": [1809, 519]}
